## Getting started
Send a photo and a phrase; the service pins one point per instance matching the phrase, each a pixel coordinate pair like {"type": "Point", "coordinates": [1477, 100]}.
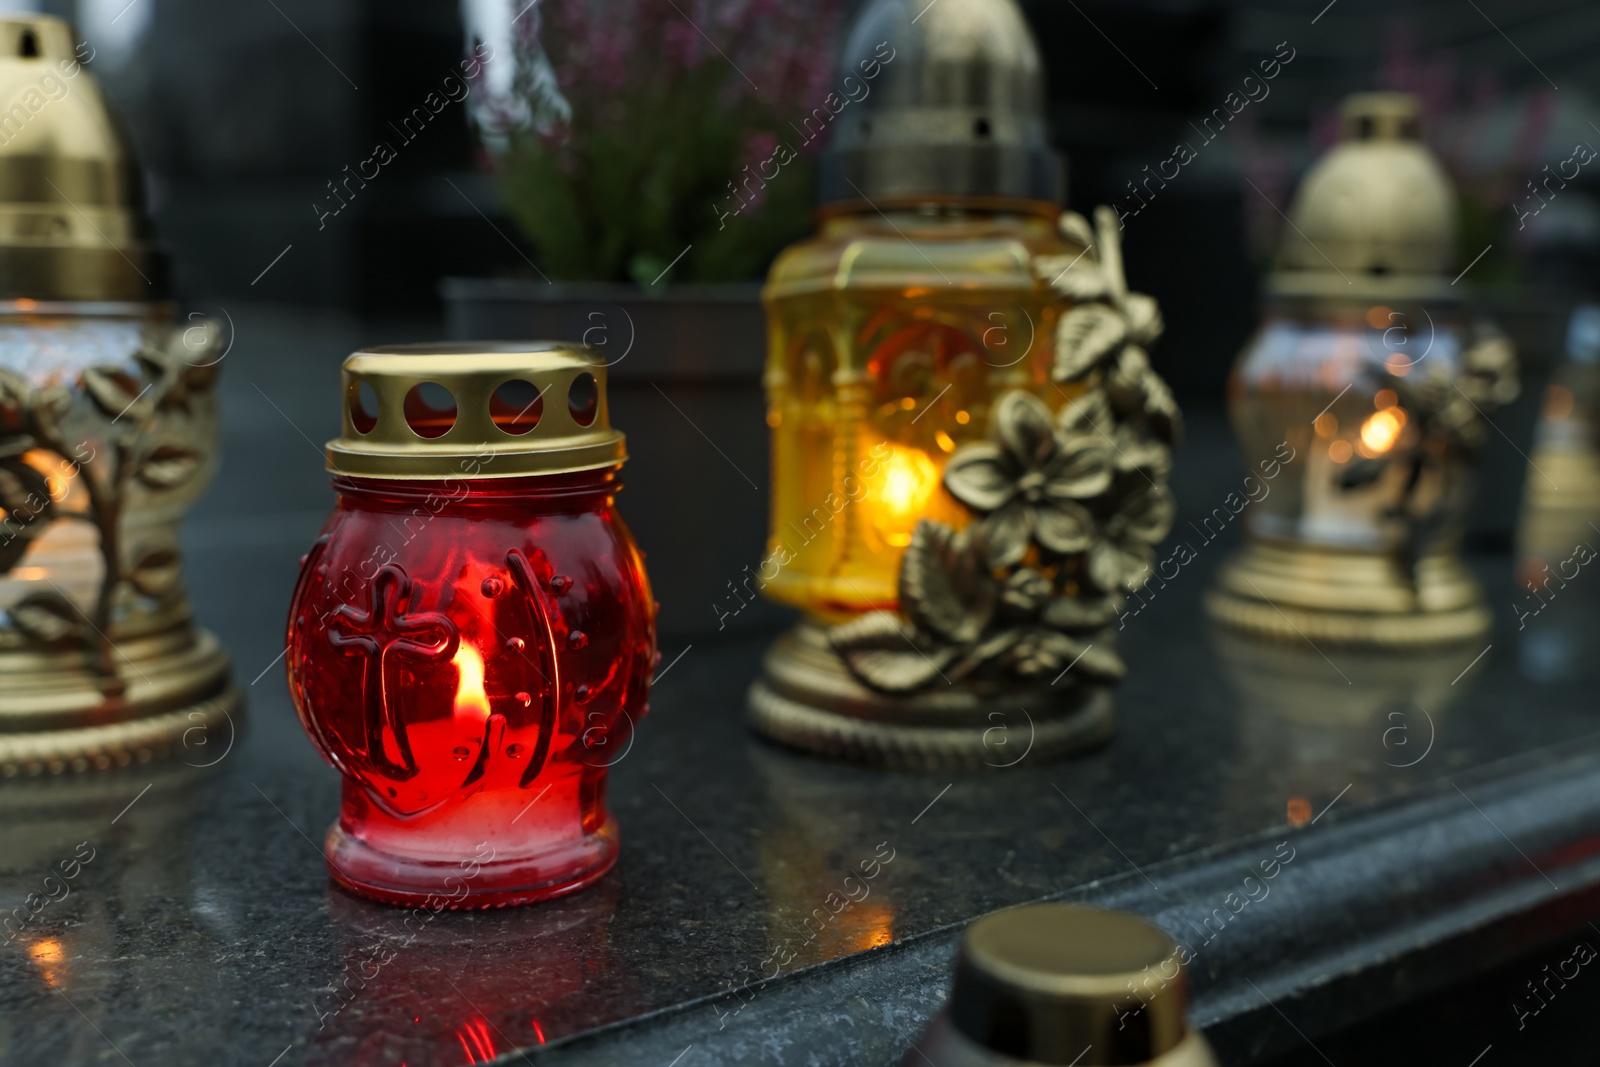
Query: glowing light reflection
{"type": "Point", "coordinates": [47, 954]}
{"type": "Point", "coordinates": [476, 1041]}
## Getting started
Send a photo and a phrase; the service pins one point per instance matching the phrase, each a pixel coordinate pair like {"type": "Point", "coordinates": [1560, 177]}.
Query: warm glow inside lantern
{"type": "Point", "coordinates": [917, 305]}
{"type": "Point", "coordinates": [472, 637]}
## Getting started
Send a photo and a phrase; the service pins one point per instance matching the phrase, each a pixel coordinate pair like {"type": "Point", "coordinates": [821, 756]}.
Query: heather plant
{"type": "Point", "coordinates": [631, 120]}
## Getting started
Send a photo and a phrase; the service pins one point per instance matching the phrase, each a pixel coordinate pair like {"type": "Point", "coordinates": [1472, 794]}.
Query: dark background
{"type": "Point", "coordinates": [243, 110]}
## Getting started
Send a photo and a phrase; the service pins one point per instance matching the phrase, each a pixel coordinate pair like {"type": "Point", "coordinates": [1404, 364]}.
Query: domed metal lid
{"type": "Point", "coordinates": [475, 409]}
{"type": "Point", "coordinates": [1065, 984]}
{"type": "Point", "coordinates": [1375, 218]}
{"type": "Point", "coordinates": [939, 100]}
{"type": "Point", "coordinates": [72, 223]}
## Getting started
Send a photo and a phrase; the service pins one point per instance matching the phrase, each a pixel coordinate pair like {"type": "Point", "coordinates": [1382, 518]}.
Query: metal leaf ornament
{"type": "Point", "coordinates": [944, 587]}
{"type": "Point", "coordinates": [949, 599]}
{"type": "Point", "coordinates": [1086, 335]}
{"type": "Point", "coordinates": [1065, 509]}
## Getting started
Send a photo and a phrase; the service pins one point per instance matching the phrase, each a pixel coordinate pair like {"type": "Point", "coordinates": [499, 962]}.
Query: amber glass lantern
{"type": "Point", "coordinates": [472, 637]}
{"type": "Point", "coordinates": [108, 433]}
{"type": "Point", "coordinates": [942, 460]}
{"type": "Point", "coordinates": [1360, 405]}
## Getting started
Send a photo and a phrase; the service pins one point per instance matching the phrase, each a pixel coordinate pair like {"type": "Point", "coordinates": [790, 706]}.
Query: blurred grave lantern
{"type": "Point", "coordinates": [1558, 531]}
{"type": "Point", "coordinates": [1363, 397]}
{"type": "Point", "coordinates": [472, 636]}
{"type": "Point", "coordinates": [108, 433]}
{"type": "Point", "coordinates": [969, 444]}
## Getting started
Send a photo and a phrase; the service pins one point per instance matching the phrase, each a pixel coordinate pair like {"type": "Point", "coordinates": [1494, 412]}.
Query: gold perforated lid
{"type": "Point", "coordinates": [475, 409]}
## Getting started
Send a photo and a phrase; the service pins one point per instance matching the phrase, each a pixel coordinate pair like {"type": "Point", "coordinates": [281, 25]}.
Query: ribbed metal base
{"type": "Point", "coordinates": [1295, 592]}
{"type": "Point", "coordinates": [177, 700]}
{"type": "Point", "coordinates": [807, 699]}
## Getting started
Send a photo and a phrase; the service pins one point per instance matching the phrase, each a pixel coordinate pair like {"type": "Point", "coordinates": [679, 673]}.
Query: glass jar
{"type": "Point", "coordinates": [472, 653]}
{"type": "Point", "coordinates": [1312, 382]}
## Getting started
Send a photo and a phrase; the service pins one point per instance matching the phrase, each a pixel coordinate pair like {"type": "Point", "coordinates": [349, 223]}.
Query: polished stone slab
{"type": "Point", "coordinates": [204, 928]}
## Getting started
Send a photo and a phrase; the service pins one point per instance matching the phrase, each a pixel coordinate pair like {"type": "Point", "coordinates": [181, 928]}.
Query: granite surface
{"type": "Point", "coordinates": [1427, 801]}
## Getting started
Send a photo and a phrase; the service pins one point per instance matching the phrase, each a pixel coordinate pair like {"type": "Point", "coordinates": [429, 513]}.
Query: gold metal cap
{"type": "Point", "coordinates": [1380, 117]}
{"type": "Point", "coordinates": [1375, 219]}
{"type": "Point", "coordinates": [946, 100]}
{"type": "Point", "coordinates": [475, 409]}
{"type": "Point", "coordinates": [1043, 981]}
{"type": "Point", "coordinates": [72, 222]}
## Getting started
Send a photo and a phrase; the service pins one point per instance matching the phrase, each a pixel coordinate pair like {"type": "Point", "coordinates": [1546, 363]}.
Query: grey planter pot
{"type": "Point", "coordinates": [686, 333]}
{"type": "Point", "coordinates": [685, 382]}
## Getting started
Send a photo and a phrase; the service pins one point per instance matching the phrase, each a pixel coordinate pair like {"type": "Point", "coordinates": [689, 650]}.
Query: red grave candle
{"type": "Point", "coordinates": [472, 635]}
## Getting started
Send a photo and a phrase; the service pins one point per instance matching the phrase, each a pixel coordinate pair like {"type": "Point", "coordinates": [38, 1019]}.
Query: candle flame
{"type": "Point", "coordinates": [1382, 430]}
{"type": "Point", "coordinates": [60, 474]}
{"type": "Point", "coordinates": [472, 701]}
{"type": "Point", "coordinates": [905, 485]}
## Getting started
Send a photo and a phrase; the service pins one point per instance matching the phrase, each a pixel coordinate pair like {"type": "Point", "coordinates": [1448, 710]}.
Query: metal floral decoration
{"type": "Point", "coordinates": [1066, 508]}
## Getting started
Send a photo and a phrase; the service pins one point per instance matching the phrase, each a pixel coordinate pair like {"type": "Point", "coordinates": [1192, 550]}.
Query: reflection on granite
{"type": "Point", "coordinates": [429, 992]}
{"type": "Point", "coordinates": [1308, 722]}
{"type": "Point", "coordinates": [205, 929]}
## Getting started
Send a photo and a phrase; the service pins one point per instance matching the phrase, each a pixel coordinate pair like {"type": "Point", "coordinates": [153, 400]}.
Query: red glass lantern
{"type": "Point", "coordinates": [472, 636]}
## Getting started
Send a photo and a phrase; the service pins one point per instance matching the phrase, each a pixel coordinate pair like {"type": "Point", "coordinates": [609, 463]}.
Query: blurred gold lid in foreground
{"type": "Point", "coordinates": [1062, 983]}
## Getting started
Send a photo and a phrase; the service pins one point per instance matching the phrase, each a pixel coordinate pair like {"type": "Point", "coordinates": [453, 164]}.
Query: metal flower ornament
{"type": "Point", "coordinates": [1066, 507]}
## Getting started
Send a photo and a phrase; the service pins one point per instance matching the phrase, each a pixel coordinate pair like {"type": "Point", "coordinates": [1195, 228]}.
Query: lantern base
{"type": "Point", "coordinates": [807, 698]}
{"type": "Point", "coordinates": [1299, 592]}
{"type": "Point", "coordinates": [171, 697]}
{"type": "Point", "coordinates": [465, 863]}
